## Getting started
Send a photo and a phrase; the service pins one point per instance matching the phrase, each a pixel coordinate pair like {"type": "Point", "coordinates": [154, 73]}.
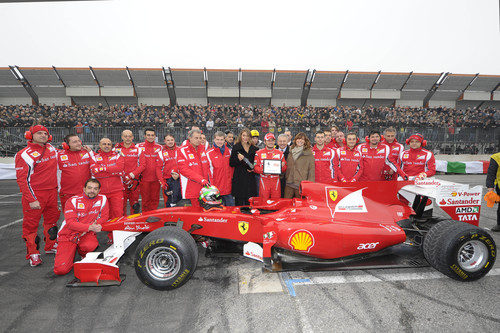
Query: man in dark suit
{"type": "Point", "coordinates": [283, 146]}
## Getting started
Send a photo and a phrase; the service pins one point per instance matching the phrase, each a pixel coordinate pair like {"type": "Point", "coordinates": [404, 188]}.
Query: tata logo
{"type": "Point", "coordinates": [243, 227]}
{"type": "Point", "coordinates": [333, 194]}
{"type": "Point", "coordinates": [467, 217]}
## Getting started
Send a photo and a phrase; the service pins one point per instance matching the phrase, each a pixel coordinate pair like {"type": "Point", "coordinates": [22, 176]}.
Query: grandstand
{"type": "Point", "coordinates": [170, 86]}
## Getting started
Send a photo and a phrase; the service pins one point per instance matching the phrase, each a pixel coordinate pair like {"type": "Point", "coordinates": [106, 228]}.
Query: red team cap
{"type": "Point", "coordinates": [38, 128]}
{"type": "Point", "coordinates": [269, 136]}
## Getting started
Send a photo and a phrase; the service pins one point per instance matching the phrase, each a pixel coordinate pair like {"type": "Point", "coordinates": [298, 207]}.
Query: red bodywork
{"type": "Point", "coordinates": [330, 221]}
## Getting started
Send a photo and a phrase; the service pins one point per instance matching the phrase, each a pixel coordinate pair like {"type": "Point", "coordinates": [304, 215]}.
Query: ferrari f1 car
{"type": "Point", "coordinates": [342, 226]}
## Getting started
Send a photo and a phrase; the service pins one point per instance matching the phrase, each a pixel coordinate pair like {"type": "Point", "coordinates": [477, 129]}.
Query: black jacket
{"type": "Point", "coordinates": [244, 184]}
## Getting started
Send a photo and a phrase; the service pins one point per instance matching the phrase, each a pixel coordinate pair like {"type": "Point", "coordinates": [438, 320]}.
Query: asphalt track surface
{"type": "Point", "coordinates": [234, 295]}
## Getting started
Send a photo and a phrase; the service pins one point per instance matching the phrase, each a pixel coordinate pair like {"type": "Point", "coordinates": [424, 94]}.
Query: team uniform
{"type": "Point", "coordinates": [348, 164]}
{"type": "Point", "coordinates": [36, 173]}
{"type": "Point", "coordinates": [269, 185]}
{"type": "Point", "coordinates": [193, 169]}
{"type": "Point", "coordinates": [333, 144]}
{"type": "Point", "coordinates": [80, 211]}
{"type": "Point", "coordinates": [396, 149]}
{"type": "Point", "coordinates": [73, 172]}
{"type": "Point", "coordinates": [220, 173]}
{"type": "Point", "coordinates": [375, 160]}
{"type": "Point", "coordinates": [323, 164]}
{"type": "Point", "coordinates": [150, 185]}
{"type": "Point", "coordinates": [135, 164]}
{"type": "Point", "coordinates": [166, 164]}
{"type": "Point", "coordinates": [108, 169]}
{"type": "Point", "coordinates": [414, 162]}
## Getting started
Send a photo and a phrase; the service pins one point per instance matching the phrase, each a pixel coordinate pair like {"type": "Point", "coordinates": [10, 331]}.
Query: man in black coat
{"type": "Point", "coordinates": [283, 146]}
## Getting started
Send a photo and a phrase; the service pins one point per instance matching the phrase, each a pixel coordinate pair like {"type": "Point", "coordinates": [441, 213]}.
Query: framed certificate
{"type": "Point", "coordinates": [272, 167]}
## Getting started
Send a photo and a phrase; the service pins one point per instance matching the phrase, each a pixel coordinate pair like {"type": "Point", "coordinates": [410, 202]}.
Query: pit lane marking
{"type": "Point", "coordinates": [9, 195]}
{"type": "Point", "coordinates": [349, 277]}
{"type": "Point", "coordinates": [11, 223]}
{"type": "Point", "coordinates": [4, 273]}
{"type": "Point", "coordinates": [253, 281]}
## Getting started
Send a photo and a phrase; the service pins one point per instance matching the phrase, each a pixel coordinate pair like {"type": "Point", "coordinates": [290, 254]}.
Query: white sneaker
{"type": "Point", "coordinates": [35, 260]}
{"type": "Point", "coordinates": [53, 250]}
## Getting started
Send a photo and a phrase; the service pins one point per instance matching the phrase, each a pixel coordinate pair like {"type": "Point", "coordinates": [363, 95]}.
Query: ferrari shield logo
{"type": "Point", "coordinates": [332, 194]}
{"type": "Point", "coordinates": [243, 227]}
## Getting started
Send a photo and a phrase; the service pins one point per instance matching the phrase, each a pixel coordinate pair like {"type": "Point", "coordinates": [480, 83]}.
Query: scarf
{"type": "Point", "coordinates": [296, 152]}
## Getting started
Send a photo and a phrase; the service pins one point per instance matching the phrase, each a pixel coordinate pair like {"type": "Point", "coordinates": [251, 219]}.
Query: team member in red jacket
{"type": "Point", "coordinates": [418, 162]}
{"type": "Point", "coordinates": [36, 173]}
{"type": "Point", "coordinates": [193, 167]}
{"type": "Point", "coordinates": [168, 173]}
{"type": "Point", "coordinates": [150, 185]}
{"type": "Point", "coordinates": [83, 216]}
{"type": "Point", "coordinates": [396, 149]}
{"type": "Point", "coordinates": [107, 166]}
{"type": "Point", "coordinates": [376, 156]}
{"type": "Point", "coordinates": [337, 140]}
{"type": "Point", "coordinates": [134, 165]}
{"type": "Point", "coordinates": [323, 160]}
{"type": "Point", "coordinates": [349, 161]}
{"type": "Point", "coordinates": [220, 173]}
{"type": "Point", "coordinates": [73, 162]}
{"type": "Point", "coordinates": [270, 186]}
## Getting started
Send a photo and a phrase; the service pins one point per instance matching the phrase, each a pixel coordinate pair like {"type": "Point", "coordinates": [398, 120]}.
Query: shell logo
{"type": "Point", "coordinates": [301, 240]}
{"type": "Point", "coordinates": [453, 194]}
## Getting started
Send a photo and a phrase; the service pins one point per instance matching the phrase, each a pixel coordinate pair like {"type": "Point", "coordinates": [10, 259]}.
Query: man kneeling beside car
{"type": "Point", "coordinates": [83, 215]}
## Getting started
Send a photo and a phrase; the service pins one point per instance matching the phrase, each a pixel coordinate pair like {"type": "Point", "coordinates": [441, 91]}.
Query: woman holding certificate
{"type": "Point", "coordinates": [300, 165]}
{"type": "Point", "coordinates": [242, 158]}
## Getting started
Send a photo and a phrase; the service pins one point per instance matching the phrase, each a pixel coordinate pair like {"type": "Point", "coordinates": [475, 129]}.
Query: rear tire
{"type": "Point", "coordinates": [460, 250]}
{"type": "Point", "coordinates": [166, 258]}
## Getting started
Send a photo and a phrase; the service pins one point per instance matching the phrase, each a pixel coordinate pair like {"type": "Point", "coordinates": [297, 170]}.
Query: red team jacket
{"type": "Point", "coordinates": [323, 162]}
{"type": "Point", "coordinates": [396, 149]}
{"type": "Point", "coordinates": [111, 177]}
{"type": "Point", "coordinates": [375, 160]}
{"type": "Point", "coordinates": [193, 168]}
{"type": "Point", "coordinates": [415, 161]}
{"type": "Point", "coordinates": [74, 168]}
{"type": "Point", "coordinates": [81, 211]}
{"type": "Point", "coordinates": [221, 174]}
{"type": "Point", "coordinates": [166, 163]}
{"type": "Point", "coordinates": [266, 154]}
{"type": "Point", "coordinates": [36, 169]}
{"type": "Point", "coordinates": [349, 164]}
{"type": "Point", "coordinates": [150, 151]}
{"type": "Point", "coordinates": [135, 161]}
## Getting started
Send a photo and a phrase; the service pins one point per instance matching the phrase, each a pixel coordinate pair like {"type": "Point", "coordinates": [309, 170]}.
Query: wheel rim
{"type": "Point", "coordinates": [472, 256]}
{"type": "Point", "coordinates": [163, 263]}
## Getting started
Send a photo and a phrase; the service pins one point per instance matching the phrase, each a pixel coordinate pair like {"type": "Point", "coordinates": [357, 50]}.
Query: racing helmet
{"type": "Point", "coordinates": [210, 197]}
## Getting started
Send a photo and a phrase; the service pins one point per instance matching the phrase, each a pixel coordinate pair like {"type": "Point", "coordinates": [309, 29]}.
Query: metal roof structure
{"type": "Point", "coordinates": [170, 86]}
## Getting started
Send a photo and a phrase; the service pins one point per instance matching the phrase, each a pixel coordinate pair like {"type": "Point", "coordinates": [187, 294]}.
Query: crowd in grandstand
{"type": "Point", "coordinates": [213, 116]}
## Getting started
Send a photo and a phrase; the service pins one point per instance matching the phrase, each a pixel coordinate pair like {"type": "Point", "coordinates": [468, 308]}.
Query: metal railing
{"type": "Point", "coordinates": [441, 140]}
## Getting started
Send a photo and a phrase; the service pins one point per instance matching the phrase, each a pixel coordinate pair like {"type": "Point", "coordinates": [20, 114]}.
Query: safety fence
{"type": "Point", "coordinates": [459, 140]}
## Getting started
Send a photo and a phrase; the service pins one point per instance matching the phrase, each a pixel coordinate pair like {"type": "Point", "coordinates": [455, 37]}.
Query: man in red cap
{"type": "Point", "coordinates": [107, 166]}
{"type": "Point", "coordinates": [323, 160]}
{"type": "Point", "coordinates": [150, 184]}
{"type": "Point", "coordinates": [193, 167]}
{"type": "Point", "coordinates": [73, 162]}
{"type": "Point", "coordinates": [221, 174]}
{"type": "Point", "coordinates": [417, 162]}
{"type": "Point", "coordinates": [36, 173]}
{"type": "Point", "coordinates": [269, 185]}
{"type": "Point", "coordinates": [395, 147]}
{"type": "Point", "coordinates": [134, 166]}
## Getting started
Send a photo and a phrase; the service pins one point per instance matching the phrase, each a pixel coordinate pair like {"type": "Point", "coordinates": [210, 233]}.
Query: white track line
{"type": "Point", "coordinates": [10, 202]}
{"type": "Point", "coordinates": [9, 195]}
{"type": "Point", "coordinates": [11, 223]}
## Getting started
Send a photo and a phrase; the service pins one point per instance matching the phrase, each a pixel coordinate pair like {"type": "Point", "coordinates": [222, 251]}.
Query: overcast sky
{"type": "Point", "coordinates": [458, 36]}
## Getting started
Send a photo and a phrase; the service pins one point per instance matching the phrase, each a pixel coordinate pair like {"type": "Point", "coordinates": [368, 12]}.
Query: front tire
{"type": "Point", "coordinates": [460, 250]}
{"type": "Point", "coordinates": [166, 258]}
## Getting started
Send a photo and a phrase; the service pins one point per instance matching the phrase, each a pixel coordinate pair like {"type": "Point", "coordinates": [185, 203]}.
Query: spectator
{"type": "Point", "coordinates": [221, 173]}
{"type": "Point", "coordinates": [285, 149]}
{"type": "Point", "coordinates": [242, 160]}
{"type": "Point", "coordinates": [229, 139]}
{"type": "Point", "coordinates": [300, 165]}
{"type": "Point", "coordinates": [255, 139]}
{"type": "Point", "coordinates": [493, 183]}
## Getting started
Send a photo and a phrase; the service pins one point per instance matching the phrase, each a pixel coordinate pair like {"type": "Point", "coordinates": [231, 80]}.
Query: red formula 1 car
{"type": "Point", "coordinates": [353, 226]}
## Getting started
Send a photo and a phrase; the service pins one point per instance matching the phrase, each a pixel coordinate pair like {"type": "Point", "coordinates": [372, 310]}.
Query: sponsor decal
{"type": "Point", "coordinates": [264, 155]}
{"type": "Point", "coordinates": [381, 151]}
{"type": "Point", "coordinates": [276, 156]}
{"type": "Point", "coordinates": [333, 194]}
{"type": "Point", "coordinates": [98, 158]}
{"type": "Point", "coordinates": [427, 181]}
{"type": "Point", "coordinates": [313, 207]}
{"type": "Point", "coordinates": [35, 154]}
{"type": "Point", "coordinates": [390, 228]}
{"type": "Point", "coordinates": [269, 202]}
{"type": "Point", "coordinates": [406, 156]}
{"type": "Point", "coordinates": [212, 219]}
{"type": "Point", "coordinates": [367, 246]}
{"type": "Point", "coordinates": [327, 153]}
{"type": "Point", "coordinates": [180, 278]}
{"type": "Point", "coordinates": [269, 235]}
{"type": "Point", "coordinates": [64, 157]}
{"type": "Point", "coordinates": [364, 150]}
{"type": "Point", "coordinates": [467, 217]}
{"type": "Point", "coordinates": [455, 202]}
{"type": "Point", "coordinates": [421, 157]}
{"type": "Point", "coordinates": [462, 210]}
{"type": "Point", "coordinates": [453, 194]}
{"type": "Point", "coordinates": [80, 205]}
{"type": "Point", "coordinates": [190, 155]}
{"type": "Point", "coordinates": [253, 251]}
{"type": "Point", "coordinates": [301, 240]}
{"type": "Point", "coordinates": [343, 152]}
{"type": "Point", "coordinates": [243, 227]}
{"type": "Point", "coordinates": [253, 255]}
{"type": "Point", "coordinates": [133, 215]}
{"type": "Point", "coordinates": [352, 203]}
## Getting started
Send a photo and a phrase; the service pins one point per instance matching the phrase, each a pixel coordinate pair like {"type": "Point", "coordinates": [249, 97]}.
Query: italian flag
{"type": "Point", "coordinates": [462, 167]}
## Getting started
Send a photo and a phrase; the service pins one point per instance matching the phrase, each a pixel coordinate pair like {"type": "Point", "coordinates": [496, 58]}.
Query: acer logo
{"type": "Point", "coordinates": [367, 246]}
